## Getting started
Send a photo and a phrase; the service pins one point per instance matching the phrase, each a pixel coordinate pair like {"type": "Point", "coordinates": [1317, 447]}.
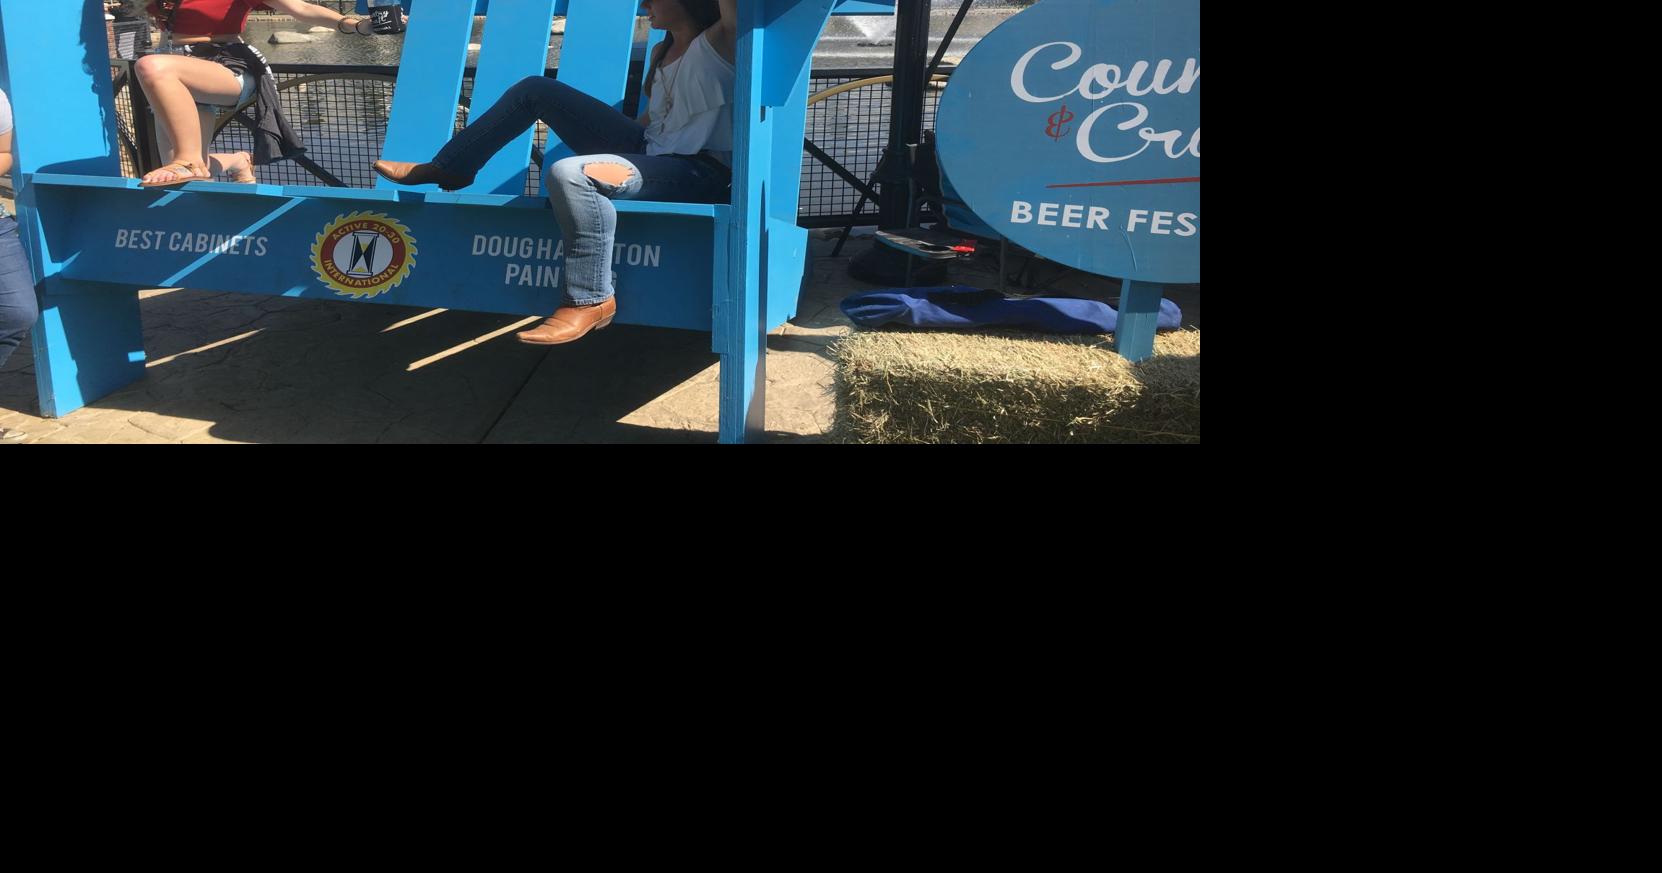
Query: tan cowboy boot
{"type": "Point", "coordinates": [570, 323]}
{"type": "Point", "coordinates": [405, 173]}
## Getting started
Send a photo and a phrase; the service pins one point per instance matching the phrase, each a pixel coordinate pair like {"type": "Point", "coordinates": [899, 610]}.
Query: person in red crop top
{"type": "Point", "coordinates": [207, 16]}
{"type": "Point", "coordinates": [206, 64]}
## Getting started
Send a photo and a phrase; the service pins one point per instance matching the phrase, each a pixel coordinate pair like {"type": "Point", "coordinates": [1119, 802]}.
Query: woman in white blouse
{"type": "Point", "coordinates": [680, 149]}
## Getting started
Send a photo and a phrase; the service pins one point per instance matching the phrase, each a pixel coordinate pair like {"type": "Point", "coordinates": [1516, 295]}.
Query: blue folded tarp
{"type": "Point", "coordinates": [964, 306]}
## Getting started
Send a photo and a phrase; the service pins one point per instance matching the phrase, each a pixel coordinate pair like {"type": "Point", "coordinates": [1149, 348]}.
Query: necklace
{"type": "Point", "coordinates": [669, 86]}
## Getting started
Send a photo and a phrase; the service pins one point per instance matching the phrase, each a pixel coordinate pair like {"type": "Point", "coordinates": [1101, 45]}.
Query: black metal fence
{"type": "Point", "coordinates": [341, 113]}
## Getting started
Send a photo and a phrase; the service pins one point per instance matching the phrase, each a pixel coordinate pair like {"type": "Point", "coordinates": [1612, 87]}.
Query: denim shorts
{"type": "Point", "coordinates": [246, 83]}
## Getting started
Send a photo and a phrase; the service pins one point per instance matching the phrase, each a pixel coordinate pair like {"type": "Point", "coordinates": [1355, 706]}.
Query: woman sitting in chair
{"type": "Point", "coordinates": [680, 149]}
{"type": "Point", "coordinates": [204, 64]}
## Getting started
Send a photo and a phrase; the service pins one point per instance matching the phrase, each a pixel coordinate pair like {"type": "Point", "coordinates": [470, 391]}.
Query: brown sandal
{"type": "Point", "coordinates": [196, 173]}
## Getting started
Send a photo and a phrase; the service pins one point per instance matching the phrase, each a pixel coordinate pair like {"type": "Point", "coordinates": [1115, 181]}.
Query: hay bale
{"type": "Point", "coordinates": [917, 386]}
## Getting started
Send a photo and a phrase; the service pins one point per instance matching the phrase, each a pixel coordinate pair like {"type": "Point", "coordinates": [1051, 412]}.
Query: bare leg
{"type": "Point", "coordinates": [175, 84]}
{"type": "Point", "coordinates": [239, 166]}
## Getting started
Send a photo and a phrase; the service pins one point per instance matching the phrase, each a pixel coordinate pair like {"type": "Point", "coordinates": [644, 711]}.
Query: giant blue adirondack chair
{"type": "Point", "coordinates": [95, 238]}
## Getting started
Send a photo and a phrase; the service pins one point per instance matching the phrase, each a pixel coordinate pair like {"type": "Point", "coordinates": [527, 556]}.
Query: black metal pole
{"type": "Point", "coordinates": [841, 171]}
{"type": "Point", "coordinates": [911, 56]}
{"type": "Point", "coordinates": [946, 41]}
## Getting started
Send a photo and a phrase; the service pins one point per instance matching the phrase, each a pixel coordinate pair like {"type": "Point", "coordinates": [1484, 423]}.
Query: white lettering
{"type": "Point", "coordinates": [1019, 73]}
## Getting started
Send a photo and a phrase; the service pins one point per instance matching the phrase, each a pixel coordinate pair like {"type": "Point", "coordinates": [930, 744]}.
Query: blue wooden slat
{"type": "Point", "coordinates": [513, 46]}
{"type": "Point", "coordinates": [740, 338]}
{"type": "Point", "coordinates": [429, 83]}
{"type": "Point", "coordinates": [637, 207]}
{"type": "Point", "coordinates": [267, 245]}
{"type": "Point", "coordinates": [370, 195]}
{"type": "Point", "coordinates": [793, 28]}
{"type": "Point", "coordinates": [644, 207]}
{"type": "Point", "coordinates": [776, 40]}
{"type": "Point", "coordinates": [864, 7]}
{"type": "Point", "coordinates": [80, 180]}
{"type": "Point", "coordinates": [791, 41]}
{"type": "Point", "coordinates": [229, 189]}
{"type": "Point", "coordinates": [594, 58]}
{"type": "Point", "coordinates": [787, 259]}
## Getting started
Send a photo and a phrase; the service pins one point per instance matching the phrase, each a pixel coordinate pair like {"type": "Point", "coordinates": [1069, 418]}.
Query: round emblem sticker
{"type": "Point", "coordinates": [363, 254]}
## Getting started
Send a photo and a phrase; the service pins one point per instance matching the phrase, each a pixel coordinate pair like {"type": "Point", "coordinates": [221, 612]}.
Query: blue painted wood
{"type": "Point", "coordinates": [594, 56]}
{"type": "Point", "coordinates": [740, 337]}
{"type": "Point", "coordinates": [369, 195]}
{"type": "Point", "coordinates": [490, 252]}
{"type": "Point", "coordinates": [89, 340]}
{"type": "Point", "coordinates": [513, 46]}
{"type": "Point", "coordinates": [465, 254]}
{"type": "Point", "coordinates": [864, 7]}
{"type": "Point", "coordinates": [424, 103]}
{"type": "Point", "coordinates": [594, 59]}
{"type": "Point", "coordinates": [88, 343]}
{"type": "Point", "coordinates": [768, 253]}
{"type": "Point", "coordinates": [791, 38]}
{"type": "Point", "coordinates": [793, 27]}
{"type": "Point", "coordinates": [793, 44]}
{"type": "Point", "coordinates": [1139, 311]}
{"type": "Point", "coordinates": [787, 259]}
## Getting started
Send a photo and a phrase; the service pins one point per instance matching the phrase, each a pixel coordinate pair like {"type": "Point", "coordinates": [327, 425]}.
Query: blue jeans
{"type": "Point", "coordinates": [18, 307]}
{"type": "Point", "coordinates": [582, 205]}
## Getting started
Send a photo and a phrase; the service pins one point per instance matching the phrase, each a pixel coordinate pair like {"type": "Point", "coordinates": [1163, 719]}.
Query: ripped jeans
{"type": "Point", "coordinates": [582, 203]}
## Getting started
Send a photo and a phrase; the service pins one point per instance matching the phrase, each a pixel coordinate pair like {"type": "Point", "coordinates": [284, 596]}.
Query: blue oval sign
{"type": "Point", "coordinates": [1074, 129]}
